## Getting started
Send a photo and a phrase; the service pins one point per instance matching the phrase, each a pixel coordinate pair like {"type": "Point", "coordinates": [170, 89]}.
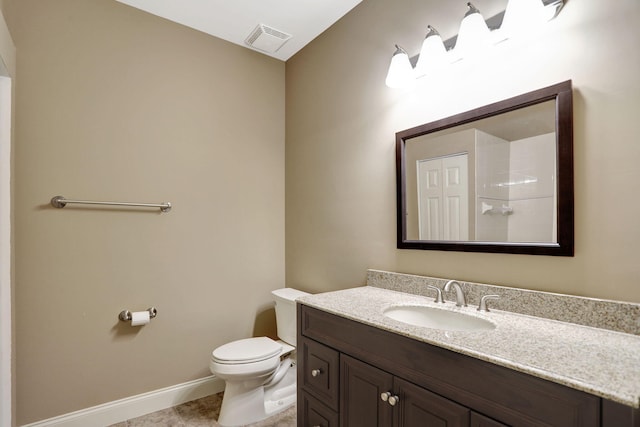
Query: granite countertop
{"type": "Point", "coordinates": [598, 361]}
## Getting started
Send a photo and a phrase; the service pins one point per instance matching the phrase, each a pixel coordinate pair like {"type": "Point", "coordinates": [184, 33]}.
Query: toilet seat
{"type": "Point", "coordinates": [249, 350]}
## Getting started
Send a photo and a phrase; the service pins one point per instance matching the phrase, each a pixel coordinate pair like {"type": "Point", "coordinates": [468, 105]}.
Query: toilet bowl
{"type": "Point", "coordinates": [259, 373]}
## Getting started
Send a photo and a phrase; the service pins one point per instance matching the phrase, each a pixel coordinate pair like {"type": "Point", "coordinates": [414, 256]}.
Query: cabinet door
{"type": "Point", "coordinates": [360, 388]}
{"type": "Point", "coordinates": [478, 420]}
{"type": "Point", "coordinates": [421, 408]}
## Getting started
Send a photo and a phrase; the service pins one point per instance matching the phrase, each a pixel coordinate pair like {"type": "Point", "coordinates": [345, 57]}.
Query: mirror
{"type": "Point", "coordinates": [495, 179]}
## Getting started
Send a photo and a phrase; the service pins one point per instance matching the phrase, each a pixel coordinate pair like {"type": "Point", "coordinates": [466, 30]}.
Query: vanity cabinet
{"type": "Point", "coordinates": [354, 375]}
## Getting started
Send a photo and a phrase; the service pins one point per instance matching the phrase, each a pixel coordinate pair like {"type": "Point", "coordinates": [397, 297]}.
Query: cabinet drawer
{"type": "Point", "coordinates": [321, 370]}
{"type": "Point", "coordinates": [315, 414]}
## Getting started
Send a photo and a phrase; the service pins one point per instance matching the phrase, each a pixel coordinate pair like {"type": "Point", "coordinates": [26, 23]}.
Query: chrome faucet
{"type": "Point", "coordinates": [438, 298]}
{"type": "Point", "coordinates": [461, 301]}
{"type": "Point", "coordinates": [483, 302]}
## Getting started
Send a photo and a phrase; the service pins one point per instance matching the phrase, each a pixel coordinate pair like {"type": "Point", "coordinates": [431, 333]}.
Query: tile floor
{"type": "Point", "coordinates": [202, 412]}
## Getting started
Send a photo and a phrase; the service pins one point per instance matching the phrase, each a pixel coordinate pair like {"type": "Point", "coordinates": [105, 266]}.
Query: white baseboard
{"type": "Point", "coordinates": [135, 406]}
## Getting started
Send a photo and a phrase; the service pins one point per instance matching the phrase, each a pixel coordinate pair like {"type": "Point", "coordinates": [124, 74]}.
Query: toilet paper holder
{"type": "Point", "coordinates": [125, 315]}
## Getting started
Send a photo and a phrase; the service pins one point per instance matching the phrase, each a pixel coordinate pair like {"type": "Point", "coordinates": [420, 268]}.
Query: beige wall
{"type": "Point", "coordinates": [341, 122]}
{"type": "Point", "coordinates": [116, 104]}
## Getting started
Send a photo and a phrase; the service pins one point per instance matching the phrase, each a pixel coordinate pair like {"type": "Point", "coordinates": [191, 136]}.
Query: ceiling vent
{"type": "Point", "coordinates": [267, 39]}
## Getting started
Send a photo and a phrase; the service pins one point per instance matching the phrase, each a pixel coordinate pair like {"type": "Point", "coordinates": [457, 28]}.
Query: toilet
{"type": "Point", "coordinates": [259, 373]}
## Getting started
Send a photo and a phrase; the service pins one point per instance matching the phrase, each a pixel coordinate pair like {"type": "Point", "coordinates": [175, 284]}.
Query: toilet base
{"type": "Point", "coordinates": [244, 402]}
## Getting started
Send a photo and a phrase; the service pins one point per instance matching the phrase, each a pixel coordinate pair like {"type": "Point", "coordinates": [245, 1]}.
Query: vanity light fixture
{"type": "Point", "coordinates": [433, 54]}
{"type": "Point", "coordinates": [400, 72]}
{"type": "Point", "coordinates": [521, 16]}
{"type": "Point", "coordinates": [475, 34]}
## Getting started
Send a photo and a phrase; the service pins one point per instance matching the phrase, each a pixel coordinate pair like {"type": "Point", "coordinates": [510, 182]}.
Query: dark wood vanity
{"type": "Point", "coordinates": [354, 375]}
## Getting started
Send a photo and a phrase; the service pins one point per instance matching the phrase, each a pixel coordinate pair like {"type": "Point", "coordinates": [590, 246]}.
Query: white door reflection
{"type": "Point", "coordinates": [443, 198]}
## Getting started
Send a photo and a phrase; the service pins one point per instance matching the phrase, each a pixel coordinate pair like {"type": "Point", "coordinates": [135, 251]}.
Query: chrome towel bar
{"type": "Point", "coordinates": [61, 202]}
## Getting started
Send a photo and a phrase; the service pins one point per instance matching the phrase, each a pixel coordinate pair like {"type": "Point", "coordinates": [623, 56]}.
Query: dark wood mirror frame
{"type": "Point", "coordinates": [562, 94]}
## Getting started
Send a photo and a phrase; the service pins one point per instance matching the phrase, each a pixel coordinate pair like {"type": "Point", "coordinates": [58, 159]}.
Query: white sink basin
{"type": "Point", "coordinates": [437, 318]}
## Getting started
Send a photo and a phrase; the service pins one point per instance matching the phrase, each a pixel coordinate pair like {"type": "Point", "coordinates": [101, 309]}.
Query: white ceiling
{"type": "Point", "coordinates": [234, 20]}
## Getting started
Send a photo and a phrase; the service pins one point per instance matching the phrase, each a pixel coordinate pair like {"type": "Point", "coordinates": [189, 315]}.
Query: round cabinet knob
{"type": "Point", "coordinates": [385, 396]}
{"type": "Point", "coordinates": [315, 372]}
{"type": "Point", "coordinates": [393, 400]}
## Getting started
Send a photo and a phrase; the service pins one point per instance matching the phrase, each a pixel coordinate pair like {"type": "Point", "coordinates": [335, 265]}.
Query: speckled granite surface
{"type": "Point", "coordinates": [598, 361]}
{"type": "Point", "coordinates": [605, 314]}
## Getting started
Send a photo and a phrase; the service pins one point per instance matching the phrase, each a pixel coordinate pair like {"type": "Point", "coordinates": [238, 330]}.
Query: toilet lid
{"type": "Point", "coordinates": [247, 350]}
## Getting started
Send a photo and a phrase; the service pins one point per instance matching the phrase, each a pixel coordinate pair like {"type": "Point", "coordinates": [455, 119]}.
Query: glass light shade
{"type": "Point", "coordinates": [433, 54]}
{"type": "Point", "coordinates": [523, 16]}
{"type": "Point", "coordinates": [474, 35]}
{"type": "Point", "coordinates": [552, 9]}
{"type": "Point", "coordinates": [400, 72]}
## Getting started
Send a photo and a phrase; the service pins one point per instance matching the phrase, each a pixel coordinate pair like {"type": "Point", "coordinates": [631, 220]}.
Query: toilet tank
{"type": "Point", "coordinates": [285, 300]}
